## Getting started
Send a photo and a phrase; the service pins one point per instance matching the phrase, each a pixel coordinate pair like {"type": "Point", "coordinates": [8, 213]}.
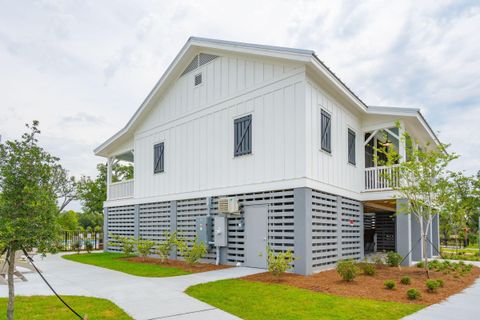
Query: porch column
{"type": "Point", "coordinates": [109, 175]}
{"type": "Point", "coordinates": [417, 252]}
{"type": "Point", "coordinates": [105, 229]}
{"type": "Point", "coordinates": [436, 235]}
{"type": "Point", "coordinates": [302, 212]}
{"type": "Point", "coordinates": [173, 225]}
{"type": "Point", "coordinates": [403, 230]}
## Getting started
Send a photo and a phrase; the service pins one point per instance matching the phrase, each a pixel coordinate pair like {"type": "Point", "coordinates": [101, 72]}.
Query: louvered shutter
{"type": "Point", "coordinates": [242, 135]}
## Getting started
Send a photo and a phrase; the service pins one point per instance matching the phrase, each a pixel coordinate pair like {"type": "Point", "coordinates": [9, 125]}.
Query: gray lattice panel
{"type": "Point", "coordinates": [120, 223]}
{"type": "Point", "coordinates": [324, 229]}
{"type": "Point", "coordinates": [351, 229]}
{"type": "Point", "coordinates": [154, 220]}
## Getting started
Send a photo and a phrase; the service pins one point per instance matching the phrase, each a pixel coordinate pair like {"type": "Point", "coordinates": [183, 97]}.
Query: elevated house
{"type": "Point", "coordinates": [273, 144]}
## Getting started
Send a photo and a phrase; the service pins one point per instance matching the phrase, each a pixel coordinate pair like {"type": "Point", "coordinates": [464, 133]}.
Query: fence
{"type": "Point", "coordinates": [70, 238]}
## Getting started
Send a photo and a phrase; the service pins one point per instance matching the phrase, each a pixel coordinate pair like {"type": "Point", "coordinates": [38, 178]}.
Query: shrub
{"type": "Point", "coordinates": [432, 285]}
{"type": "Point", "coordinates": [440, 282]}
{"type": "Point", "coordinates": [420, 264]}
{"type": "Point", "coordinates": [369, 269]}
{"type": "Point", "coordinates": [413, 294]}
{"type": "Point", "coordinates": [279, 262]}
{"type": "Point", "coordinates": [378, 259]}
{"type": "Point", "coordinates": [166, 246]}
{"type": "Point", "coordinates": [89, 246]}
{"type": "Point", "coordinates": [192, 253]}
{"type": "Point", "coordinates": [405, 280]}
{"type": "Point", "coordinates": [347, 269]}
{"type": "Point", "coordinates": [144, 247]}
{"type": "Point", "coordinates": [77, 246]}
{"type": "Point", "coordinates": [393, 259]}
{"type": "Point", "coordinates": [390, 284]}
{"type": "Point", "coordinates": [127, 244]}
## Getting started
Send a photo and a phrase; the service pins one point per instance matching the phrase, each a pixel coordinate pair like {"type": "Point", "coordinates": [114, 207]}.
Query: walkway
{"type": "Point", "coordinates": [142, 298]}
{"type": "Point", "coordinates": [464, 305]}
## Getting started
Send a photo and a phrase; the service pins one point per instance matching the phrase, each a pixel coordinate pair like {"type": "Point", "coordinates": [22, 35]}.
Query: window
{"type": "Point", "coordinates": [243, 135]}
{"type": "Point", "coordinates": [158, 158]}
{"type": "Point", "coordinates": [351, 146]}
{"type": "Point", "coordinates": [198, 79]}
{"type": "Point", "coordinates": [326, 131]}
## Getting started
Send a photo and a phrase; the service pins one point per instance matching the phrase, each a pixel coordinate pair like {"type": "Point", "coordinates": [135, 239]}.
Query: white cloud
{"type": "Point", "coordinates": [83, 67]}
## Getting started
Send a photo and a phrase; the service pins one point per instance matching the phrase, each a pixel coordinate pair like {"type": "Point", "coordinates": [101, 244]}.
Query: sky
{"type": "Point", "coordinates": [83, 67]}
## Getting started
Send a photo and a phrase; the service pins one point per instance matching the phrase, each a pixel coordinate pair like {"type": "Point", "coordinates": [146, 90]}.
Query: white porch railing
{"type": "Point", "coordinates": [381, 178]}
{"type": "Point", "coordinates": [120, 190]}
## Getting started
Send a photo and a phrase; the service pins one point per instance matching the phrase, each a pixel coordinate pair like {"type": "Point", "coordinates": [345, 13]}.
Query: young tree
{"type": "Point", "coordinates": [68, 221]}
{"type": "Point", "coordinates": [422, 180]}
{"type": "Point", "coordinates": [28, 208]}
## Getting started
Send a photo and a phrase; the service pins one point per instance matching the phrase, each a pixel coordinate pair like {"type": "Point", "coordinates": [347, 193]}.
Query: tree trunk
{"type": "Point", "coordinates": [425, 255]}
{"type": "Point", "coordinates": [11, 288]}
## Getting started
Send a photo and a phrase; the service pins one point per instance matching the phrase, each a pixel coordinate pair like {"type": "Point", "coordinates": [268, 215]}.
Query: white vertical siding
{"type": "Point", "coordinates": [332, 168]}
{"type": "Point", "coordinates": [196, 125]}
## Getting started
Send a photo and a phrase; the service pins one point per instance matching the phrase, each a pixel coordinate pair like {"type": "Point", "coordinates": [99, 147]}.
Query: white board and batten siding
{"type": "Point", "coordinates": [331, 171]}
{"type": "Point", "coordinates": [196, 125]}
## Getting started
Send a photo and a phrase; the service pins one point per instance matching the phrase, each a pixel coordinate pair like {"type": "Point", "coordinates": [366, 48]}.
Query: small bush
{"type": "Point", "coordinates": [420, 264]}
{"type": "Point", "coordinates": [441, 283]}
{"type": "Point", "coordinates": [89, 246]}
{"type": "Point", "coordinates": [378, 259]}
{"type": "Point", "coordinates": [127, 244]}
{"type": "Point", "coordinates": [279, 262]}
{"type": "Point", "coordinates": [393, 259]}
{"type": "Point", "coordinates": [405, 280]}
{"type": "Point", "coordinates": [390, 284]}
{"type": "Point", "coordinates": [432, 285]}
{"type": "Point", "coordinates": [144, 247]}
{"type": "Point", "coordinates": [192, 253]}
{"type": "Point", "coordinates": [369, 269]}
{"type": "Point", "coordinates": [413, 294]}
{"type": "Point", "coordinates": [166, 246]}
{"type": "Point", "coordinates": [77, 246]}
{"type": "Point", "coordinates": [347, 269]}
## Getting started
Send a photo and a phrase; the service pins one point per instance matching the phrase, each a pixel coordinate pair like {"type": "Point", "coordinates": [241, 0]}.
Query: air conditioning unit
{"type": "Point", "coordinates": [228, 205]}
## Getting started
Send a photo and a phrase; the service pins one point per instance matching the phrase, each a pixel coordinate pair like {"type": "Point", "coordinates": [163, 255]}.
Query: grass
{"type": "Point", "coordinates": [255, 300]}
{"type": "Point", "coordinates": [114, 261]}
{"type": "Point", "coordinates": [49, 307]}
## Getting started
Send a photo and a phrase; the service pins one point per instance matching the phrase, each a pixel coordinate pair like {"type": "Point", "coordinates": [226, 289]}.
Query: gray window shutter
{"type": "Point", "coordinates": [158, 157]}
{"type": "Point", "coordinates": [326, 136]}
{"type": "Point", "coordinates": [242, 135]}
{"type": "Point", "coordinates": [351, 146]}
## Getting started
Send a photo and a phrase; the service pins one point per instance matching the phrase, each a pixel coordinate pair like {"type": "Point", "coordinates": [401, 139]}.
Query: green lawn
{"type": "Point", "coordinates": [252, 300]}
{"type": "Point", "coordinates": [49, 307]}
{"type": "Point", "coordinates": [114, 261]}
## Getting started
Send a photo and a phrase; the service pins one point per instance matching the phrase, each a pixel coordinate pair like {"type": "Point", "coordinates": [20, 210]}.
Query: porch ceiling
{"type": "Point", "coordinates": [389, 205]}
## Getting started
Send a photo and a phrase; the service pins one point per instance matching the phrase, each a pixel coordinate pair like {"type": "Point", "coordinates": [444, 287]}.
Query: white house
{"type": "Point", "coordinates": [276, 130]}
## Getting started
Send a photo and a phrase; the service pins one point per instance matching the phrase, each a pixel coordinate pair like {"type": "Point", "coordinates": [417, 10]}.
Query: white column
{"type": "Point", "coordinates": [109, 175]}
{"type": "Point", "coordinates": [401, 142]}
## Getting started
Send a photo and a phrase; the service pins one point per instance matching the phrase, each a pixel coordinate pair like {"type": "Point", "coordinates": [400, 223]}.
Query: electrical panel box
{"type": "Point", "coordinates": [220, 231]}
{"type": "Point", "coordinates": [203, 229]}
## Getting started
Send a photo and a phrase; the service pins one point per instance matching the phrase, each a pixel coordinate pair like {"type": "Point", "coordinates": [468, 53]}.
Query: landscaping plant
{"type": "Point", "coordinates": [393, 259]}
{"type": "Point", "coordinates": [390, 284]}
{"type": "Point", "coordinates": [279, 262]}
{"type": "Point", "coordinates": [77, 246]}
{"type": "Point", "coordinates": [432, 285]}
{"type": "Point", "coordinates": [441, 283]}
{"type": "Point", "coordinates": [347, 269]}
{"type": "Point", "coordinates": [369, 269]}
{"type": "Point", "coordinates": [29, 185]}
{"type": "Point", "coordinates": [405, 280]}
{"type": "Point", "coordinates": [413, 294]}
{"type": "Point", "coordinates": [88, 246]}
{"type": "Point", "coordinates": [126, 243]}
{"type": "Point", "coordinates": [192, 253]}
{"type": "Point", "coordinates": [144, 247]}
{"type": "Point", "coordinates": [167, 245]}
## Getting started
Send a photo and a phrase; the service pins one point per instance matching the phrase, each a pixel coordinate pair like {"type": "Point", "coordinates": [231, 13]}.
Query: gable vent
{"type": "Point", "coordinates": [199, 60]}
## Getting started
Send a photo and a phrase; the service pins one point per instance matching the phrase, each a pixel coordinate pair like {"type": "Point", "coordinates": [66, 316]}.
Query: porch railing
{"type": "Point", "coordinates": [120, 190]}
{"type": "Point", "coordinates": [381, 178]}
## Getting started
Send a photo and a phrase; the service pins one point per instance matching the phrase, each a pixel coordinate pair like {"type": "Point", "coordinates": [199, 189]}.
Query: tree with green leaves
{"type": "Point", "coordinates": [422, 179]}
{"type": "Point", "coordinates": [28, 200]}
{"type": "Point", "coordinates": [68, 220]}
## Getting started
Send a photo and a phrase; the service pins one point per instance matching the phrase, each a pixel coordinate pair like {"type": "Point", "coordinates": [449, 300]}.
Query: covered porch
{"type": "Point", "coordinates": [120, 180]}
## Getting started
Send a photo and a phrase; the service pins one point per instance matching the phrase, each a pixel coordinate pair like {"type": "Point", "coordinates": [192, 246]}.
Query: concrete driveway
{"type": "Point", "coordinates": [142, 298]}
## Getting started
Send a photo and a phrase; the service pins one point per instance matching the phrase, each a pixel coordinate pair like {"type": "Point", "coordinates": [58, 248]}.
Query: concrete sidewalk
{"type": "Point", "coordinates": [142, 298]}
{"type": "Point", "coordinates": [464, 305]}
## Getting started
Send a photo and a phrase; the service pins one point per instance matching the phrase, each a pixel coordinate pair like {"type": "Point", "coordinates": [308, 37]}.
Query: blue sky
{"type": "Point", "coordinates": [83, 67]}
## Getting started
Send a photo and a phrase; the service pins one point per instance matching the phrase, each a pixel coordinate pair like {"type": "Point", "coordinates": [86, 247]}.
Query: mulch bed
{"type": "Point", "coordinates": [198, 267]}
{"type": "Point", "coordinates": [372, 287]}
